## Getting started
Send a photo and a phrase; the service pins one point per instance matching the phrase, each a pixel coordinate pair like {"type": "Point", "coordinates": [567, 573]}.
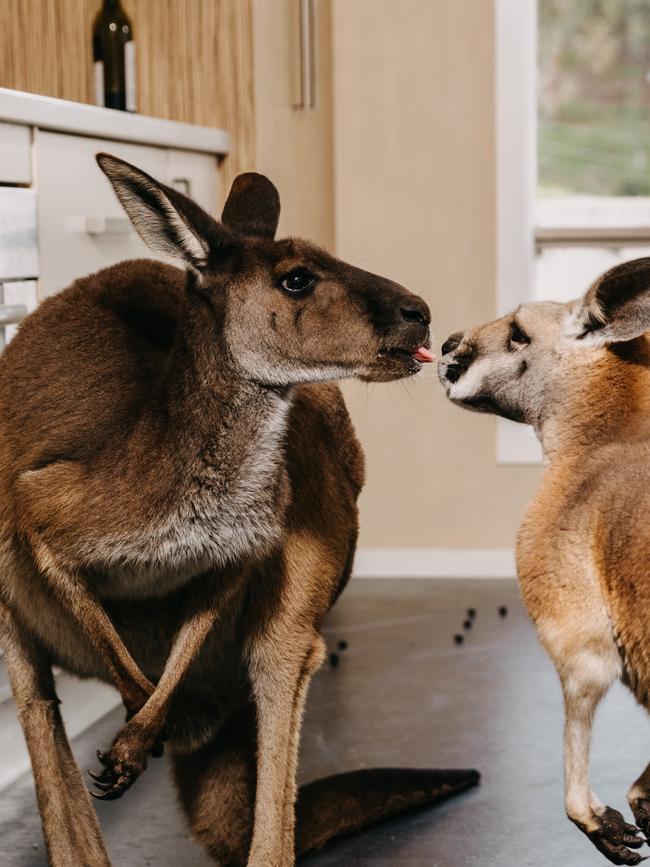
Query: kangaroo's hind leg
{"type": "Point", "coordinates": [588, 662]}
{"type": "Point", "coordinates": [70, 827]}
{"type": "Point", "coordinates": [217, 783]}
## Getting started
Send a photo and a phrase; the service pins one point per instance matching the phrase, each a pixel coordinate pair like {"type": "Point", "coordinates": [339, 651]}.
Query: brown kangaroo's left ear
{"type": "Point", "coordinates": [616, 307]}
{"type": "Point", "coordinates": [166, 220]}
{"type": "Point", "coordinates": [252, 207]}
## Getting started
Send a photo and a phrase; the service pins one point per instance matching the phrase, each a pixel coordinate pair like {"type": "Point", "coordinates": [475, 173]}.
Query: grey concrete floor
{"type": "Point", "coordinates": [405, 694]}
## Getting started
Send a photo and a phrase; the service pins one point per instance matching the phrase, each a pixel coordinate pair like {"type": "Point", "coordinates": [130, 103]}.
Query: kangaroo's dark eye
{"type": "Point", "coordinates": [517, 336]}
{"type": "Point", "coordinates": [298, 282]}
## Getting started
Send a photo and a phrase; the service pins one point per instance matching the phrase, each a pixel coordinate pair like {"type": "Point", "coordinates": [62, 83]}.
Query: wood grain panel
{"type": "Point", "coordinates": [195, 60]}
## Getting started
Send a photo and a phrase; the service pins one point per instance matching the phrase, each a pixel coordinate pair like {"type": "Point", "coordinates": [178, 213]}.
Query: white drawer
{"type": "Point", "coordinates": [18, 245]}
{"type": "Point", "coordinates": [15, 154]}
{"type": "Point", "coordinates": [16, 295]}
{"type": "Point", "coordinates": [76, 199]}
{"type": "Point", "coordinates": [82, 226]}
{"type": "Point", "coordinates": [196, 175]}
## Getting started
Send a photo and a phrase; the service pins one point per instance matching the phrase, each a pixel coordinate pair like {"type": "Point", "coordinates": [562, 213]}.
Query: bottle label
{"type": "Point", "coordinates": [130, 75]}
{"type": "Point", "coordinates": [100, 98]}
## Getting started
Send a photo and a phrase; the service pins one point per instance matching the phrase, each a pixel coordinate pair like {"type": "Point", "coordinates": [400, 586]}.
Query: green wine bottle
{"type": "Point", "coordinates": [114, 58]}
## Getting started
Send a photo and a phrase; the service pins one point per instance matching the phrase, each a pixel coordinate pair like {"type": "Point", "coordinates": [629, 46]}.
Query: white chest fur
{"type": "Point", "coordinates": [227, 509]}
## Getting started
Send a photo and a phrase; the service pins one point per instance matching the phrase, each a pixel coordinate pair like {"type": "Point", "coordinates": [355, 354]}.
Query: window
{"type": "Point", "coordinates": [573, 152]}
{"type": "Point", "coordinates": [593, 140]}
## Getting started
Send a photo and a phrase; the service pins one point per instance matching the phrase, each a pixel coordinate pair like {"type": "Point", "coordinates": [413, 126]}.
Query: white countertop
{"type": "Point", "coordinates": [75, 117]}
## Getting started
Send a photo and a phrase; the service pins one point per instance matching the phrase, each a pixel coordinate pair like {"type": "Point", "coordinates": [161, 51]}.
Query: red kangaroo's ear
{"type": "Point", "coordinates": [252, 207]}
{"type": "Point", "coordinates": [166, 220]}
{"type": "Point", "coordinates": [616, 308]}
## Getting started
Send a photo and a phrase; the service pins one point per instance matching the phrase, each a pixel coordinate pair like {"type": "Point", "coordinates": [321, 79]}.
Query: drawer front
{"type": "Point", "coordinates": [15, 154]}
{"type": "Point", "coordinates": [82, 226]}
{"type": "Point", "coordinates": [19, 298]}
{"type": "Point", "coordinates": [196, 175]}
{"type": "Point", "coordinates": [18, 234]}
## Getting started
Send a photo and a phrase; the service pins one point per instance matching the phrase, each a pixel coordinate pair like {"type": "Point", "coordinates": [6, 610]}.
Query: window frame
{"type": "Point", "coordinates": [519, 230]}
{"type": "Point", "coordinates": [516, 186]}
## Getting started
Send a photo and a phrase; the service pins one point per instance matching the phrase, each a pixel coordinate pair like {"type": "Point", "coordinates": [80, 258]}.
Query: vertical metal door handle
{"type": "Point", "coordinates": [307, 57]}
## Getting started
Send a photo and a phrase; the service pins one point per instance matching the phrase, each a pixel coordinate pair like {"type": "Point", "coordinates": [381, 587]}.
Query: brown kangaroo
{"type": "Point", "coordinates": [178, 514]}
{"type": "Point", "coordinates": [580, 374]}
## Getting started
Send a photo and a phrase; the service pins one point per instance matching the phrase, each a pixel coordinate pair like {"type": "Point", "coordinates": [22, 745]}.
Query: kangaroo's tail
{"type": "Point", "coordinates": [340, 805]}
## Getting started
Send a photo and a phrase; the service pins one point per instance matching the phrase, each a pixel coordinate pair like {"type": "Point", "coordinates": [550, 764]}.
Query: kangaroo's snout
{"type": "Point", "coordinates": [412, 319]}
{"type": "Point", "coordinates": [415, 310]}
{"type": "Point", "coordinates": [452, 342]}
{"type": "Point", "coordinates": [455, 363]}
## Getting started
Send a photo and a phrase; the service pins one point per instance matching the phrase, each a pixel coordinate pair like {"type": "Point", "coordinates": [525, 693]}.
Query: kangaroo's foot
{"type": "Point", "coordinates": [639, 798]}
{"type": "Point", "coordinates": [613, 835]}
{"type": "Point", "coordinates": [641, 810]}
{"type": "Point", "coordinates": [126, 760]}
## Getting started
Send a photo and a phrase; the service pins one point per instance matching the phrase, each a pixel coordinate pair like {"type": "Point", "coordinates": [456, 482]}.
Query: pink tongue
{"type": "Point", "coordinates": [424, 355]}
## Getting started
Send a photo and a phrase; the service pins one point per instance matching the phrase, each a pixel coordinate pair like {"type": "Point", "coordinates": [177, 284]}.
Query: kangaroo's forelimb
{"type": "Point", "coordinates": [89, 613]}
{"type": "Point", "coordinates": [205, 602]}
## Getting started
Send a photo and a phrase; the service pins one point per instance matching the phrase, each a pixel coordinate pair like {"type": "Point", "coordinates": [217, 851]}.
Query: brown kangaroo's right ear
{"type": "Point", "coordinates": [166, 220]}
{"type": "Point", "coordinates": [252, 207]}
{"type": "Point", "coordinates": [616, 307]}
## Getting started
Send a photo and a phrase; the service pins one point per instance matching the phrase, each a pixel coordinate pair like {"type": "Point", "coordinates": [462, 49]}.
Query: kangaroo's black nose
{"type": "Point", "coordinates": [452, 342]}
{"type": "Point", "coordinates": [415, 311]}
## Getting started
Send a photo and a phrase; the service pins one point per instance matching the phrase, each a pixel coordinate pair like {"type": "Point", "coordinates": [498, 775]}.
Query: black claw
{"type": "Point", "coordinates": [103, 777]}
{"type": "Point", "coordinates": [111, 795]}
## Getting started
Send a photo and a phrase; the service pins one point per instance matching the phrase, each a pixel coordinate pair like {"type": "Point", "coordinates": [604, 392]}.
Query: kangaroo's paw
{"type": "Point", "coordinates": [614, 835]}
{"type": "Point", "coordinates": [125, 761]}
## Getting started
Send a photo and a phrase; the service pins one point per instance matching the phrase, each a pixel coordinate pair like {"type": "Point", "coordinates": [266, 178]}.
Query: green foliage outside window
{"type": "Point", "coordinates": [594, 97]}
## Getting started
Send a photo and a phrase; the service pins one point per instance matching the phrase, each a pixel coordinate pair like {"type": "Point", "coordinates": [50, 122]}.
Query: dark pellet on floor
{"type": "Point", "coordinates": [502, 611]}
{"type": "Point", "coordinates": [334, 660]}
{"type": "Point", "coordinates": [342, 644]}
{"type": "Point", "coordinates": [471, 613]}
{"type": "Point", "coordinates": [467, 624]}
{"type": "Point", "coordinates": [458, 638]}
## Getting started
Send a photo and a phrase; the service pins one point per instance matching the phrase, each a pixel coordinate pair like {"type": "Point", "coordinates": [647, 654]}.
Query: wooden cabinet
{"type": "Point", "coordinates": [295, 146]}
{"type": "Point", "coordinates": [194, 60]}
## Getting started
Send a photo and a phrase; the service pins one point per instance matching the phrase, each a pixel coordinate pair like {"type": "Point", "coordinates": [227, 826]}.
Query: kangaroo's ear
{"type": "Point", "coordinates": [616, 307]}
{"type": "Point", "coordinates": [252, 207]}
{"type": "Point", "coordinates": [166, 220]}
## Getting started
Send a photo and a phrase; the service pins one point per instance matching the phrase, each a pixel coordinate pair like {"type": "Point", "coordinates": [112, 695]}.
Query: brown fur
{"type": "Point", "coordinates": [178, 512]}
{"type": "Point", "coordinates": [584, 543]}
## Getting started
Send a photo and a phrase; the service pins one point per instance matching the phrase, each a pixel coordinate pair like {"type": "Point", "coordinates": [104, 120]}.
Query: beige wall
{"type": "Point", "coordinates": [397, 168]}
{"type": "Point", "coordinates": [415, 200]}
